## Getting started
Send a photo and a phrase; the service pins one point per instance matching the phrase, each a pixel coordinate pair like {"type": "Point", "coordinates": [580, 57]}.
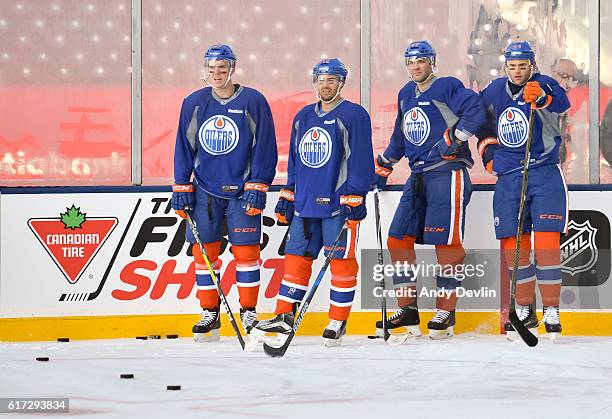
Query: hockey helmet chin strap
{"type": "Point", "coordinates": [229, 76]}
{"type": "Point", "coordinates": [318, 95]}
{"type": "Point", "coordinates": [523, 83]}
{"type": "Point", "coordinates": [434, 72]}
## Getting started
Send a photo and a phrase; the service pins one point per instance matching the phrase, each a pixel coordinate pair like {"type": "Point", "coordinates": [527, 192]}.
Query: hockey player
{"type": "Point", "coordinates": [329, 172]}
{"type": "Point", "coordinates": [224, 161]}
{"type": "Point", "coordinates": [435, 118]}
{"type": "Point", "coordinates": [502, 147]}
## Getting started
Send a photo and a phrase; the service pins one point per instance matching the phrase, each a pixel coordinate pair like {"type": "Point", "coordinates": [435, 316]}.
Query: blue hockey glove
{"type": "Point", "coordinates": [449, 145]}
{"type": "Point", "coordinates": [254, 197]}
{"type": "Point", "coordinates": [382, 169]}
{"type": "Point", "coordinates": [486, 149]}
{"type": "Point", "coordinates": [285, 207]}
{"type": "Point", "coordinates": [183, 199]}
{"type": "Point", "coordinates": [353, 207]}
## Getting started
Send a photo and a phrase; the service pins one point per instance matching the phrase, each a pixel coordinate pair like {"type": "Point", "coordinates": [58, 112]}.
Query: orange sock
{"type": "Point", "coordinates": [405, 283]}
{"type": "Point", "coordinates": [295, 283]}
{"type": "Point", "coordinates": [207, 290]}
{"type": "Point", "coordinates": [247, 274]}
{"type": "Point", "coordinates": [526, 275]}
{"type": "Point", "coordinates": [343, 286]}
{"type": "Point", "coordinates": [548, 257]}
{"type": "Point", "coordinates": [448, 255]}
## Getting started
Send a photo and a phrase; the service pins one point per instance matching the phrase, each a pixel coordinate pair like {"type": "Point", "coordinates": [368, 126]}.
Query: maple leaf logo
{"type": "Point", "coordinates": [73, 217]}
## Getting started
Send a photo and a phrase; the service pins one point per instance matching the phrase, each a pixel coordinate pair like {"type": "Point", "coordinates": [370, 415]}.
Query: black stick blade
{"type": "Point", "coordinates": [278, 351]}
{"type": "Point", "coordinates": [523, 332]}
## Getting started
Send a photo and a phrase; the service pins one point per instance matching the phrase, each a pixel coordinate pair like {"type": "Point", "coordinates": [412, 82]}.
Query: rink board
{"type": "Point", "coordinates": [110, 262]}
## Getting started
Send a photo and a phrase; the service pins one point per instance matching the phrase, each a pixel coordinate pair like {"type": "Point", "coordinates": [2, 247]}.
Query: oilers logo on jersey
{"type": "Point", "coordinates": [315, 147]}
{"type": "Point", "coordinates": [219, 135]}
{"type": "Point", "coordinates": [416, 126]}
{"type": "Point", "coordinates": [512, 127]}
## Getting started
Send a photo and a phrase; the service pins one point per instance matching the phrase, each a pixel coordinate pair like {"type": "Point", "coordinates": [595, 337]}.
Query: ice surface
{"type": "Point", "coordinates": [468, 376]}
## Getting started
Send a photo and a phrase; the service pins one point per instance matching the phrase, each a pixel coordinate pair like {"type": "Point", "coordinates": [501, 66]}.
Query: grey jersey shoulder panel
{"type": "Point", "coordinates": [343, 172]}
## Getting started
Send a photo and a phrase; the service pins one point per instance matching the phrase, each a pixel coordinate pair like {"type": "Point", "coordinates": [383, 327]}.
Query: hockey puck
{"type": "Point", "coordinates": [173, 387]}
{"type": "Point", "coordinates": [141, 337]}
{"type": "Point", "coordinates": [42, 358]}
{"type": "Point", "coordinates": [154, 337]}
{"type": "Point", "coordinates": [63, 339]}
{"type": "Point", "coordinates": [126, 376]}
{"type": "Point", "coordinates": [171, 336]}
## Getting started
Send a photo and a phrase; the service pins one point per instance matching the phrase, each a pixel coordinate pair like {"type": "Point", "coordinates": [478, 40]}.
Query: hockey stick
{"type": "Point", "coordinates": [277, 352]}
{"type": "Point", "coordinates": [194, 229]}
{"type": "Point", "coordinates": [383, 300]}
{"type": "Point", "coordinates": [398, 339]}
{"type": "Point", "coordinates": [518, 325]}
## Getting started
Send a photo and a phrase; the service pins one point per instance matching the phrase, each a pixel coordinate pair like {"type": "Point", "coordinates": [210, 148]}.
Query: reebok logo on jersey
{"type": "Point", "coordinates": [315, 147]}
{"type": "Point", "coordinates": [416, 126]}
{"type": "Point", "coordinates": [512, 127]}
{"type": "Point", "coordinates": [333, 121]}
{"type": "Point", "coordinates": [423, 103]}
{"type": "Point", "coordinates": [235, 111]}
{"type": "Point", "coordinates": [218, 135]}
{"type": "Point", "coordinates": [72, 240]}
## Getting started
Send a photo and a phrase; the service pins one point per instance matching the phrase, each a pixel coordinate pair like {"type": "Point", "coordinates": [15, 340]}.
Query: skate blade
{"type": "Point", "coordinates": [250, 343]}
{"type": "Point", "coordinates": [330, 343]}
{"type": "Point", "coordinates": [412, 331]}
{"type": "Point", "coordinates": [513, 336]}
{"type": "Point", "coordinates": [442, 334]}
{"type": "Point", "coordinates": [212, 336]}
{"type": "Point", "coordinates": [272, 339]}
{"type": "Point", "coordinates": [401, 339]}
{"type": "Point", "coordinates": [553, 337]}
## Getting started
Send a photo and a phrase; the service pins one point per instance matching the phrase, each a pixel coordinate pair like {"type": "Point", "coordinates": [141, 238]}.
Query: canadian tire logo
{"type": "Point", "coordinates": [73, 239]}
{"type": "Point", "coordinates": [579, 251]}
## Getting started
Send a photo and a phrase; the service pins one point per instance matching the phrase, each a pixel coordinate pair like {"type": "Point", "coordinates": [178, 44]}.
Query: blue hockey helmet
{"type": "Point", "coordinates": [519, 50]}
{"type": "Point", "coordinates": [220, 52]}
{"type": "Point", "coordinates": [420, 49]}
{"type": "Point", "coordinates": [331, 66]}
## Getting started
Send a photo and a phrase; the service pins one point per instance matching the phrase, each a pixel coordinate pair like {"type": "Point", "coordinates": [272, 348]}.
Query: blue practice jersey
{"type": "Point", "coordinates": [330, 155]}
{"type": "Point", "coordinates": [423, 117]}
{"type": "Point", "coordinates": [508, 121]}
{"type": "Point", "coordinates": [225, 142]}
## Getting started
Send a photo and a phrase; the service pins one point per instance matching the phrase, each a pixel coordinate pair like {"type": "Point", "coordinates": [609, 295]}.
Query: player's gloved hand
{"type": "Point", "coordinates": [382, 169]}
{"type": "Point", "coordinates": [183, 199]}
{"type": "Point", "coordinates": [254, 197]}
{"type": "Point", "coordinates": [285, 207]}
{"type": "Point", "coordinates": [449, 145]}
{"type": "Point", "coordinates": [353, 207]}
{"type": "Point", "coordinates": [486, 149]}
{"type": "Point", "coordinates": [533, 92]}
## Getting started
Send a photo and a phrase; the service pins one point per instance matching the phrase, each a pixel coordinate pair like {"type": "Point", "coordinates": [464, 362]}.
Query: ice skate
{"type": "Point", "coordinates": [442, 325]}
{"type": "Point", "coordinates": [248, 316]}
{"type": "Point", "coordinates": [332, 335]}
{"type": "Point", "coordinates": [207, 329]}
{"type": "Point", "coordinates": [552, 322]}
{"type": "Point", "coordinates": [405, 322]}
{"type": "Point", "coordinates": [526, 314]}
{"type": "Point", "coordinates": [275, 330]}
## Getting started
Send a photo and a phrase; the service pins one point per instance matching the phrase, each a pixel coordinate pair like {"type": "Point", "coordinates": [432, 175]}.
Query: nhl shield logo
{"type": "Point", "coordinates": [219, 135]}
{"type": "Point", "coordinates": [579, 251]}
{"type": "Point", "coordinates": [315, 147]}
{"type": "Point", "coordinates": [416, 126]}
{"type": "Point", "coordinates": [512, 127]}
